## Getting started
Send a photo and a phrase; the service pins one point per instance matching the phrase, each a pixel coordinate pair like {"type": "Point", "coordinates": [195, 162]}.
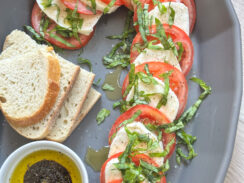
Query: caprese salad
{"type": "Point", "coordinates": [155, 91]}
{"type": "Point", "coordinates": [159, 52]}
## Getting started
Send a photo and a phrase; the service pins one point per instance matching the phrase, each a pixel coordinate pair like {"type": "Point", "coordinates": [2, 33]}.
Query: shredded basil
{"type": "Point", "coordinates": [96, 83]}
{"type": "Point", "coordinates": [107, 87]}
{"type": "Point", "coordinates": [44, 25]}
{"type": "Point", "coordinates": [165, 40]}
{"type": "Point", "coordinates": [130, 120]}
{"type": "Point", "coordinates": [47, 3]}
{"type": "Point", "coordinates": [162, 8]}
{"type": "Point", "coordinates": [120, 53]}
{"type": "Point", "coordinates": [39, 38]}
{"type": "Point", "coordinates": [110, 5]}
{"type": "Point", "coordinates": [73, 18]}
{"type": "Point", "coordinates": [180, 51]}
{"type": "Point", "coordinates": [85, 61]}
{"type": "Point", "coordinates": [154, 47]}
{"type": "Point", "coordinates": [165, 152]}
{"type": "Point", "coordinates": [143, 20]}
{"type": "Point", "coordinates": [164, 99]}
{"type": "Point", "coordinates": [103, 113]}
{"type": "Point", "coordinates": [171, 16]}
{"type": "Point", "coordinates": [185, 139]}
{"type": "Point", "coordinates": [93, 6]}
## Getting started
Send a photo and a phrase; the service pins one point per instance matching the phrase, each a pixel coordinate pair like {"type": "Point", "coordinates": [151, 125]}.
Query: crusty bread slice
{"type": "Point", "coordinates": [77, 95]}
{"type": "Point", "coordinates": [18, 43]}
{"type": "Point", "coordinates": [72, 107]}
{"type": "Point", "coordinates": [92, 98]}
{"type": "Point", "coordinates": [29, 86]}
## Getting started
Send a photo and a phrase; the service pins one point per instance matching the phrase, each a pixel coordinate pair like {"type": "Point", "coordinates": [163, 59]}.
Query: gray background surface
{"type": "Point", "coordinates": [216, 40]}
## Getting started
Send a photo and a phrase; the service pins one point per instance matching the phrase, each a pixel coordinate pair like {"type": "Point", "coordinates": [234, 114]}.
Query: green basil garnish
{"type": "Point", "coordinates": [107, 87]}
{"type": "Point", "coordinates": [171, 15]}
{"type": "Point", "coordinates": [85, 61]}
{"type": "Point", "coordinates": [96, 83]}
{"type": "Point", "coordinates": [103, 113]}
{"type": "Point", "coordinates": [110, 5]}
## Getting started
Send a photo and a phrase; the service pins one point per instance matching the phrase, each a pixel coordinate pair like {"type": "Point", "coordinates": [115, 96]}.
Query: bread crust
{"type": "Point", "coordinates": [55, 113]}
{"type": "Point", "coordinates": [91, 78]}
{"type": "Point", "coordinates": [52, 121]}
{"type": "Point", "coordinates": [50, 97]}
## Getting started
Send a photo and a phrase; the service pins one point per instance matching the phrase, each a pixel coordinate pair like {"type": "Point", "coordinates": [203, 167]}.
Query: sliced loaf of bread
{"type": "Point", "coordinates": [29, 86]}
{"type": "Point", "coordinates": [92, 98]}
{"type": "Point", "coordinates": [68, 119]}
{"type": "Point", "coordinates": [72, 107]}
{"type": "Point", "coordinates": [20, 43]}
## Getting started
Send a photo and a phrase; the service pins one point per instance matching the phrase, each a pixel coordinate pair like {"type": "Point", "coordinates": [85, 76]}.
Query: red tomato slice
{"type": "Point", "coordinates": [177, 35]}
{"type": "Point", "coordinates": [102, 174]}
{"type": "Point", "coordinates": [35, 21]}
{"type": "Point", "coordinates": [117, 2]}
{"type": "Point", "coordinates": [148, 115]}
{"type": "Point", "coordinates": [81, 7]}
{"type": "Point", "coordinates": [190, 4]}
{"type": "Point", "coordinates": [136, 159]}
{"type": "Point", "coordinates": [177, 81]}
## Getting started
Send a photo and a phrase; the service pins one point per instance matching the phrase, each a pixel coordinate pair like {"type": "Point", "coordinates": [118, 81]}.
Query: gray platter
{"type": "Point", "coordinates": [217, 60]}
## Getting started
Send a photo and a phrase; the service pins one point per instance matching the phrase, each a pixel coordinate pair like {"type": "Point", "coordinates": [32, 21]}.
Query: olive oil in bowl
{"type": "Point", "coordinates": [56, 166]}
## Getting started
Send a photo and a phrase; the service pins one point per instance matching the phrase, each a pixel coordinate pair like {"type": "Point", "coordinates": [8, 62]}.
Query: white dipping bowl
{"type": "Point", "coordinates": [12, 161]}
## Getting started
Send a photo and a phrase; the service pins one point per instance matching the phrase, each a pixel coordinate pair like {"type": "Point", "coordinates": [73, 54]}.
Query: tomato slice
{"type": "Point", "coordinates": [148, 115]}
{"type": "Point", "coordinates": [35, 21]}
{"type": "Point", "coordinates": [177, 35]}
{"type": "Point", "coordinates": [117, 2]}
{"type": "Point", "coordinates": [81, 7]}
{"type": "Point", "coordinates": [136, 159]}
{"type": "Point", "coordinates": [177, 81]}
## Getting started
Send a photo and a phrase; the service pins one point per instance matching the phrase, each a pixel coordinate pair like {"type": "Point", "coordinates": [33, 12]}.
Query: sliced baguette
{"type": "Point", "coordinates": [92, 98]}
{"type": "Point", "coordinates": [29, 86]}
{"type": "Point", "coordinates": [19, 43]}
{"type": "Point", "coordinates": [72, 107]}
{"type": "Point", "coordinates": [78, 92]}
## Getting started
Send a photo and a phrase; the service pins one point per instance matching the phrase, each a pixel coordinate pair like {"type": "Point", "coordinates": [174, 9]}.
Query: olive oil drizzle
{"type": "Point", "coordinates": [95, 159]}
{"type": "Point", "coordinates": [113, 79]}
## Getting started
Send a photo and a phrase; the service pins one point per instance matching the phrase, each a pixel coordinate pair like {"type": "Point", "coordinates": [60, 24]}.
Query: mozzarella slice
{"type": "Point", "coordinates": [172, 106]}
{"type": "Point", "coordinates": [89, 21]}
{"type": "Point", "coordinates": [100, 5]}
{"type": "Point", "coordinates": [157, 56]}
{"type": "Point", "coordinates": [121, 140]}
{"type": "Point", "coordinates": [111, 172]}
{"type": "Point", "coordinates": [181, 15]}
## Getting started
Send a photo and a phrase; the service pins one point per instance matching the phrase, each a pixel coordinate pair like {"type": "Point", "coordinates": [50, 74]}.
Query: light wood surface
{"type": "Point", "coordinates": [235, 173]}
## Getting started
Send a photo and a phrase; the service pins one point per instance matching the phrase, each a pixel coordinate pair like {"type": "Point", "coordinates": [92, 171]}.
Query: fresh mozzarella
{"type": "Point", "coordinates": [172, 106]}
{"type": "Point", "coordinates": [181, 15]}
{"type": "Point", "coordinates": [100, 5]}
{"type": "Point", "coordinates": [157, 56]}
{"type": "Point", "coordinates": [111, 172]}
{"type": "Point", "coordinates": [121, 140]}
{"type": "Point", "coordinates": [89, 21]}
